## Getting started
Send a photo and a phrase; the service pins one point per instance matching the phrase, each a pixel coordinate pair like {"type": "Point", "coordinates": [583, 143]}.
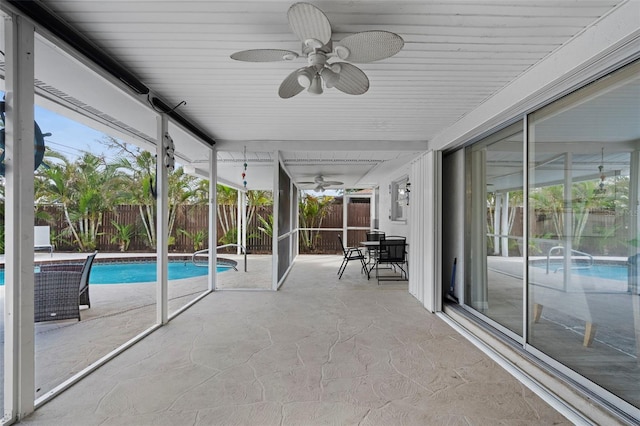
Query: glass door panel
{"type": "Point", "coordinates": [495, 286]}
{"type": "Point", "coordinates": [584, 308]}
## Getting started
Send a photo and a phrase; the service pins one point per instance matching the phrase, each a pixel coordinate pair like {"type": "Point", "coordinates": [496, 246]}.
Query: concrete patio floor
{"type": "Point", "coordinates": [319, 351]}
{"type": "Point", "coordinates": [118, 313]}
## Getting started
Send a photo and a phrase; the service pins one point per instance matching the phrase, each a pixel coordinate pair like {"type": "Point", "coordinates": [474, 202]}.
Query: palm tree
{"type": "Point", "coordinates": [312, 211]}
{"type": "Point", "coordinates": [182, 190]}
{"type": "Point", "coordinates": [584, 199]}
{"type": "Point", "coordinates": [549, 200]}
{"type": "Point", "coordinates": [86, 189]}
{"type": "Point", "coordinates": [140, 167]}
{"type": "Point", "coordinates": [255, 199]}
{"type": "Point", "coordinates": [227, 201]}
{"type": "Point", "coordinates": [124, 234]}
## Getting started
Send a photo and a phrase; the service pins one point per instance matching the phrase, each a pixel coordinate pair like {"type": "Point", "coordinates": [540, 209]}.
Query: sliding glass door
{"type": "Point", "coordinates": [573, 216]}
{"type": "Point", "coordinates": [495, 287]}
{"type": "Point", "coordinates": [584, 159]}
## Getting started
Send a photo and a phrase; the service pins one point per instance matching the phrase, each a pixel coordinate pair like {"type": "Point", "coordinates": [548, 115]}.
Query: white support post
{"type": "Point", "coordinates": [213, 218]}
{"type": "Point", "coordinates": [632, 287]}
{"type": "Point", "coordinates": [276, 218]}
{"type": "Point", "coordinates": [239, 221]}
{"type": "Point", "coordinates": [162, 225]}
{"type": "Point", "coordinates": [634, 218]}
{"type": "Point", "coordinates": [19, 345]}
{"type": "Point", "coordinates": [497, 229]}
{"type": "Point", "coordinates": [568, 219]}
{"type": "Point", "coordinates": [504, 228]}
{"type": "Point", "coordinates": [245, 225]}
{"type": "Point", "coordinates": [372, 210]}
{"type": "Point", "coordinates": [292, 224]}
{"type": "Point", "coordinates": [479, 291]}
{"type": "Point", "coordinates": [345, 220]}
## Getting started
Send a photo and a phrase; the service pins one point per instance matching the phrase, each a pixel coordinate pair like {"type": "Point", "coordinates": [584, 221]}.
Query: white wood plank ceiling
{"type": "Point", "coordinates": [457, 54]}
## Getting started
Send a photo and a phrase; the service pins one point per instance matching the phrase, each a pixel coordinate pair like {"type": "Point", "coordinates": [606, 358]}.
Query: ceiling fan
{"type": "Point", "coordinates": [312, 27]}
{"type": "Point", "coordinates": [321, 184]}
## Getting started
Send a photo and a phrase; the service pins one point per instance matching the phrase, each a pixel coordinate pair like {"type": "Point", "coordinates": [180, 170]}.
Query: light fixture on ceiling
{"type": "Point", "coordinates": [316, 86]}
{"type": "Point", "coordinates": [330, 75]}
{"type": "Point", "coordinates": [313, 77]}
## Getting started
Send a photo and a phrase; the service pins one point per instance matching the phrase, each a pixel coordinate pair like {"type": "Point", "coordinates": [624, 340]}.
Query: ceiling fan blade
{"type": "Point", "coordinates": [353, 81]}
{"type": "Point", "coordinates": [369, 46]}
{"type": "Point", "coordinates": [309, 23]}
{"type": "Point", "coordinates": [290, 86]}
{"type": "Point", "coordinates": [264, 55]}
{"type": "Point", "coordinates": [332, 183]}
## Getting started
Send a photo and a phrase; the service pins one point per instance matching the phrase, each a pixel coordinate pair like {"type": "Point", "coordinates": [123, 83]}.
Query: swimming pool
{"type": "Point", "coordinates": [617, 272]}
{"type": "Point", "coordinates": [136, 272]}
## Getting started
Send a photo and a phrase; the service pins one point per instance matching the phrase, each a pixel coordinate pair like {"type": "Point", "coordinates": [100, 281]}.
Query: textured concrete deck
{"type": "Point", "coordinates": [118, 313]}
{"type": "Point", "coordinates": [319, 351]}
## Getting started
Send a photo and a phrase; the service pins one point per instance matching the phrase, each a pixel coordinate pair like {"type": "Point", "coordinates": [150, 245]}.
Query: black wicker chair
{"type": "Point", "coordinates": [83, 268]}
{"type": "Point", "coordinates": [56, 295]}
{"type": "Point", "coordinates": [84, 281]}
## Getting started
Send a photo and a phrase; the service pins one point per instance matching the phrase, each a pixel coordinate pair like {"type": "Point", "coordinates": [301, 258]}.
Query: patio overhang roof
{"type": "Point", "coordinates": [464, 70]}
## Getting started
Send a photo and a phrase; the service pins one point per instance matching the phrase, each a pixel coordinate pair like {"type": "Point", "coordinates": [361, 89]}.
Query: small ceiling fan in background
{"type": "Point", "coordinates": [320, 184]}
{"type": "Point", "coordinates": [313, 28]}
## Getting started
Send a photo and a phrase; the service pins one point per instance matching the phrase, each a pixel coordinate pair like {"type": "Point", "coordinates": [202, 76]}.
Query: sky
{"type": "Point", "coordinates": [72, 139]}
{"type": "Point", "coordinates": [68, 137]}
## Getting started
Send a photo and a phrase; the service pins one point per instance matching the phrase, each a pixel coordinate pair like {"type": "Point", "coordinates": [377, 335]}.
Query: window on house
{"type": "Point", "coordinates": [399, 199]}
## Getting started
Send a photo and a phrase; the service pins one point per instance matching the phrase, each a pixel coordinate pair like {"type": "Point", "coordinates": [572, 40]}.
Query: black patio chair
{"type": "Point", "coordinates": [85, 271]}
{"type": "Point", "coordinates": [393, 253]}
{"type": "Point", "coordinates": [351, 253]}
{"type": "Point", "coordinates": [56, 295]}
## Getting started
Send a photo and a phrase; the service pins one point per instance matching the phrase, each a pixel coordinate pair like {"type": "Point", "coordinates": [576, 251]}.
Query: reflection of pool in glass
{"type": "Point", "coordinates": [136, 272]}
{"type": "Point", "coordinates": [598, 270]}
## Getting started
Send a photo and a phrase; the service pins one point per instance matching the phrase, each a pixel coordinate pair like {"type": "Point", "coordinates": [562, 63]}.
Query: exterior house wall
{"type": "Point", "coordinates": [386, 224]}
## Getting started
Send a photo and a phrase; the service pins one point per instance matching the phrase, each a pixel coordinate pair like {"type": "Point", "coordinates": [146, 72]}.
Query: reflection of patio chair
{"type": "Point", "coordinates": [351, 253]}
{"type": "Point", "coordinates": [42, 238]}
{"type": "Point", "coordinates": [56, 295]}
{"type": "Point", "coordinates": [83, 268]}
{"type": "Point", "coordinates": [392, 252]}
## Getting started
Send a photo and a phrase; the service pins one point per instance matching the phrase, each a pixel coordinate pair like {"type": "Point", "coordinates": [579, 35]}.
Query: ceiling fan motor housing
{"type": "Point", "coordinates": [326, 48]}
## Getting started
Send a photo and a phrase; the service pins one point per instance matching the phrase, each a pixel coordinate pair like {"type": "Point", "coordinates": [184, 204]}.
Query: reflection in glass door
{"type": "Point", "coordinates": [584, 307]}
{"type": "Point", "coordinates": [495, 283]}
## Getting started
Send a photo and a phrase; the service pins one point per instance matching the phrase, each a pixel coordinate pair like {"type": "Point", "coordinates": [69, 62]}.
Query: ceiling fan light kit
{"type": "Point", "coordinates": [316, 86]}
{"type": "Point", "coordinates": [313, 29]}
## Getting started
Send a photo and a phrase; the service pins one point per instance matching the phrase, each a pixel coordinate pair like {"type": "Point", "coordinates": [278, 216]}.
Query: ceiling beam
{"type": "Point", "coordinates": [339, 145]}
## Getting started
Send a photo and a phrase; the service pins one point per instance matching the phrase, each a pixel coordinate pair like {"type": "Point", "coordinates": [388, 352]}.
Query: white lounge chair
{"type": "Point", "coordinates": [42, 238]}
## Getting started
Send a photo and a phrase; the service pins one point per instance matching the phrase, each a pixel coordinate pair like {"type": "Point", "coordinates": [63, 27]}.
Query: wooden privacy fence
{"type": "Point", "coordinates": [195, 218]}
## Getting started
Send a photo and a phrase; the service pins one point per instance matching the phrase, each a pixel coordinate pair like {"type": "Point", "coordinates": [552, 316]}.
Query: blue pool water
{"type": "Point", "coordinates": [136, 272]}
{"type": "Point", "coordinates": [611, 272]}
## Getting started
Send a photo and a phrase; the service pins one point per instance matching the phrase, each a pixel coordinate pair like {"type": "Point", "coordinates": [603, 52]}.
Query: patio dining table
{"type": "Point", "coordinates": [370, 245]}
